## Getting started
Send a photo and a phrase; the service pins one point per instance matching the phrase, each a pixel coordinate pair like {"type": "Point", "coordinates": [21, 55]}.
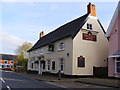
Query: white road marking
{"type": "Point", "coordinates": [2, 80]}
{"type": "Point", "coordinates": [8, 88]}
{"type": "Point", "coordinates": [55, 84]}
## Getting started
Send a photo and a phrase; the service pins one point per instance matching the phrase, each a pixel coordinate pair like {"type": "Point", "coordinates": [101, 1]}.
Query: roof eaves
{"type": "Point", "coordinates": [74, 34]}
{"type": "Point", "coordinates": [47, 44]}
{"type": "Point", "coordinates": [82, 19]}
{"type": "Point", "coordinates": [114, 17]}
{"type": "Point", "coordinates": [101, 26]}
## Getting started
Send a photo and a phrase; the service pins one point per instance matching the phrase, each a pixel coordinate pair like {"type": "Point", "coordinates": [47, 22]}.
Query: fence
{"type": "Point", "coordinates": [100, 72]}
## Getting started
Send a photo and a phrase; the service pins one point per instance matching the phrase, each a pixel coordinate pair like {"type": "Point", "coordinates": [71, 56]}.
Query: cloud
{"type": "Point", "coordinates": [9, 42]}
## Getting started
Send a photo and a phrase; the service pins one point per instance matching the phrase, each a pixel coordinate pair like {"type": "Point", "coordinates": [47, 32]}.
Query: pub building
{"type": "Point", "coordinates": [74, 48]}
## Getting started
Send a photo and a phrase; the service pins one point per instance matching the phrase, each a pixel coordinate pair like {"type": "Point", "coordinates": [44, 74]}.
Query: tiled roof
{"type": "Point", "coordinates": [7, 57]}
{"type": "Point", "coordinates": [69, 29]}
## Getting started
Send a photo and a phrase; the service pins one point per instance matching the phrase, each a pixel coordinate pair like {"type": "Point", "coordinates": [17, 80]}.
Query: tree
{"type": "Point", "coordinates": [21, 52]}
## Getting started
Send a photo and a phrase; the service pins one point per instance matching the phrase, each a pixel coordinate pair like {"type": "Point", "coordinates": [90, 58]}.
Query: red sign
{"type": "Point", "coordinates": [89, 36]}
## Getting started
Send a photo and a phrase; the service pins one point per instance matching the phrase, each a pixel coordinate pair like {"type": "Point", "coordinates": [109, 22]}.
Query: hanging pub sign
{"type": "Point", "coordinates": [89, 36]}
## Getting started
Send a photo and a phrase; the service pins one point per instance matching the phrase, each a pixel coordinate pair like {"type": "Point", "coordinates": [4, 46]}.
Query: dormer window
{"type": "Point", "coordinates": [61, 46]}
{"type": "Point", "coordinates": [89, 26]}
{"type": "Point", "coordinates": [41, 51]}
{"type": "Point", "coordinates": [51, 48]}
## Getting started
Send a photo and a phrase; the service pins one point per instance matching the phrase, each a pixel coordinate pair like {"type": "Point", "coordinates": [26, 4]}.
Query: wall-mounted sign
{"type": "Point", "coordinates": [81, 61]}
{"type": "Point", "coordinates": [89, 36]}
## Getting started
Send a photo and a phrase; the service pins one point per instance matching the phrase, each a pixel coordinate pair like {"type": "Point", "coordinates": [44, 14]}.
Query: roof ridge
{"type": "Point", "coordinates": [66, 24]}
{"type": "Point", "coordinates": [69, 29]}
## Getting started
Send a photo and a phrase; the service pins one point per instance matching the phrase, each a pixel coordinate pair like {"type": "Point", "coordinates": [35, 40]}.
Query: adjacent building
{"type": "Point", "coordinates": [74, 48]}
{"type": "Point", "coordinates": [113, 34]}
{"type": "Point", "coordinates": [7, 61]}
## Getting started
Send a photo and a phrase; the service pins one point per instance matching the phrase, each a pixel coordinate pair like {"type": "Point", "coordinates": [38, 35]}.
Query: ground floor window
{"type": "Point", "coordinates": [35, 66]}
{"type": "Point", "coordinates": [61, 64]}
{"type": "Point", "coordinates": [118, 65]}
{"type": "Point", "coordinates": [53, 65]}
{"type": "Point", "coordinates": [48, 65]}
{"type": "Point", "coordinates": [44, 65]}
{"type": "Point", "coordinates": [32, 65]}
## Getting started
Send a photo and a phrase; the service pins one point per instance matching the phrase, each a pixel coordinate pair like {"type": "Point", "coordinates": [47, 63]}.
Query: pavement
{"type": "Point", "coordinates": [88, 80]}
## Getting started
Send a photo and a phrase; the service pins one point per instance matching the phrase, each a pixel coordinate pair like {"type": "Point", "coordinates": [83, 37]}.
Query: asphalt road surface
{"type": "Point", "coordinates": [11, 81]}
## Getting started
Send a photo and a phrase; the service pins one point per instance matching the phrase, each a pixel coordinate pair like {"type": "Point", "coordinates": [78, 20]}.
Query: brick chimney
{"type": "Point", "coordinates": [91, 9]}
{"type": "Point", "coordinates": [41, 34]}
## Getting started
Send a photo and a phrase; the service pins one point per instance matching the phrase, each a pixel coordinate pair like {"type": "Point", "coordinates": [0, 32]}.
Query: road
{"type": "Point", "coordinates": [12, 80]}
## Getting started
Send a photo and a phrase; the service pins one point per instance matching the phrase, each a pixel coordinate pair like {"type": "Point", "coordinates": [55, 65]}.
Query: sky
{"type": "Point", "coordinates": [23, 21]}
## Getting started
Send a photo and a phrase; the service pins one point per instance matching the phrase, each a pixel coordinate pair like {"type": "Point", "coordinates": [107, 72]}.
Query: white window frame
{"type": "Point", "coordinates": [89, 26]}
{"type": "Point", "coordinates": [48, 64]}
{"type": "Point", "coordinates": [61, 64]}
{"type": "Point", "coordinates": [41, 51]}
{"type": "Point", "coordinates": [59, 46]}
{"type": "Point", "coordinates": [116, 66]}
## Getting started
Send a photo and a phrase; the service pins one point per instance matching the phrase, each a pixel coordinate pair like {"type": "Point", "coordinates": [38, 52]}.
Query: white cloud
{"type": "Point", "coordinates": [9, 42]}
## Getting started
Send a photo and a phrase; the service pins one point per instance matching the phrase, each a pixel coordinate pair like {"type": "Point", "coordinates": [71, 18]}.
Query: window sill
{"type": "Point", "coordinates": [61, 50]}
{"type": "Point", "coordinates": [49, 52]}
{"type": "Point", "coordinates": [41, 53]}
{"type": "Point", "coordinates": [62, 72]}
{"type": "Point", "coordinates": [117, 73]}
{"type": "Point", "coordinates": [81, 67]}
{"type": "Point", "coordinates": [90, 30]}
{"type": "Point", "coordinates": [47, 70]}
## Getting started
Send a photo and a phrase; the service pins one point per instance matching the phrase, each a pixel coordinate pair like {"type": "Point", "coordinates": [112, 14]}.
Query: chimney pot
{"type": "Point", "coordinates": [41, 34]}
{"type": "Point", "coordinates": [91, 9]}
